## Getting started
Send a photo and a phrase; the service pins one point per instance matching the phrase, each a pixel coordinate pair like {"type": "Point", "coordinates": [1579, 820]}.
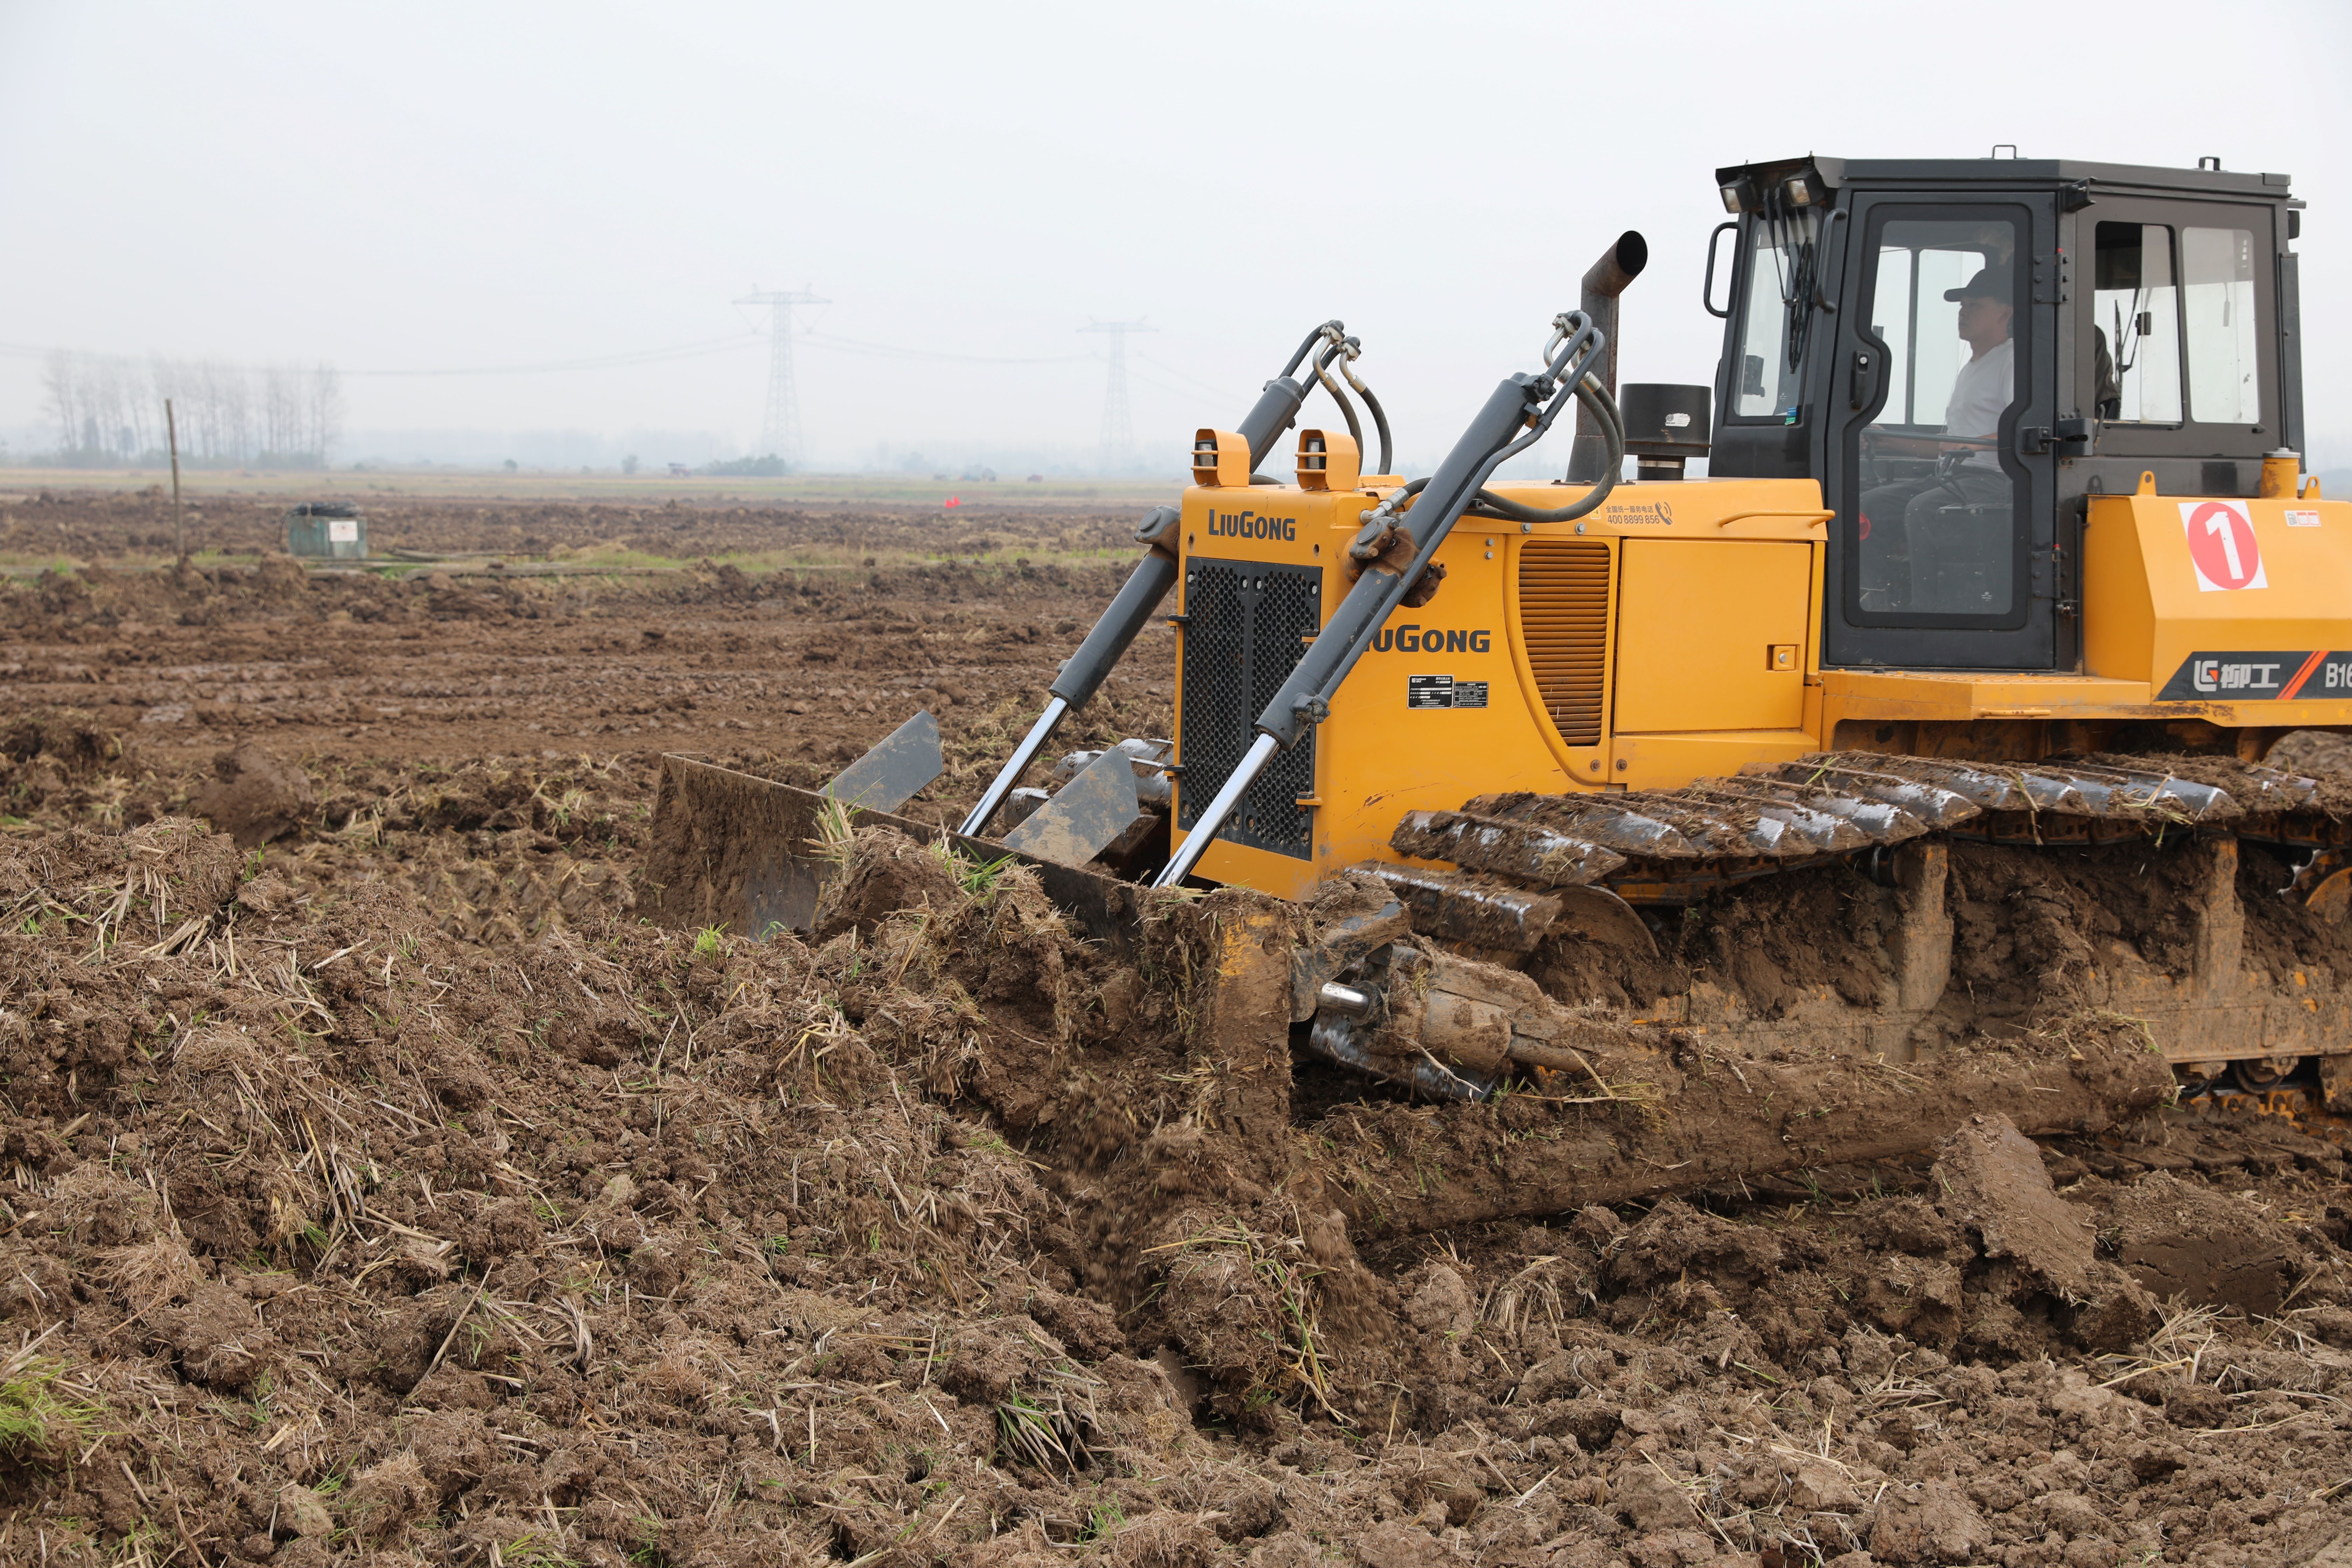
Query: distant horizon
{"type": "Point", "coordinates": [2336, 478]}
{"type": "Point", "coordinates": [534, 222]}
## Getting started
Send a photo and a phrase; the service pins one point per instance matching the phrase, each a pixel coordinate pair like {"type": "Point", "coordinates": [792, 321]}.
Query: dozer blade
{"type": "Point", "coordinates": [748, 854]}
{"type": "Point", "coordinates": [1082, 818]}
{"type": "Point", "coordinates": [894, 772]}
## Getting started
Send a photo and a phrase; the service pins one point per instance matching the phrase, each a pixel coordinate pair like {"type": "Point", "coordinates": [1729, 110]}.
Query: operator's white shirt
{"type": "Point", "coordinates": [1983, 389]}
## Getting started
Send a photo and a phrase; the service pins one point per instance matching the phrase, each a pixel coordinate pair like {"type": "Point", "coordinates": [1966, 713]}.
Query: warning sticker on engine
{"type": "Point", "coordinates": [1443, 691]}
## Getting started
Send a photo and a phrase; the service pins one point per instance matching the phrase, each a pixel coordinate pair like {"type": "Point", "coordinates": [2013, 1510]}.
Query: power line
{"type": "Point", "coordinates": [858, 345]}
{"type": "Point", "coordinates": [619, 361]}
{"type": "Point", "coordinates": [1182, 394]}
{"type": "Point", "coordinates": [1181, 375]}
{"type": "Point", "coordinates": [699, 349]}
{"type": "Point", "coordinates": [781, 433]}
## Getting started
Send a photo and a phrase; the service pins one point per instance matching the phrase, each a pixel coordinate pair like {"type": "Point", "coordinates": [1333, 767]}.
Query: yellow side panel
{"type": "Point", "coordinates": [2251, 605]}
{"type": "Point", "coordinates": [1960, 696]}
{"type": "Point", "coordinates": [1705, 632]}
{"type": "Point", "coordinates": [1670, 761]}
{"type": "Point", "coordinates": [1385, 751]}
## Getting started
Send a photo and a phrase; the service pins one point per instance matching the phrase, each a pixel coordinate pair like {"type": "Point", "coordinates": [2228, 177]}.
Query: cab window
{"type": "Point", "coordinates": [1775, 313]}
{"type": "Point", "coordinates": [1934, 538]}
{"type": "Point", "coordinates": [1919, 267]}
{"type": "Point", "coordinates": [2136, 314]}
{"type": "Point", "coordinates": [2217, 286]}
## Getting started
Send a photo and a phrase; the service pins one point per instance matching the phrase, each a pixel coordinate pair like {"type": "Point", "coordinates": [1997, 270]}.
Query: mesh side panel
{"type": "Point", "coordinates": [1289, 608]}
{"type": "Point", "coordinates": [1564, 617]}
{"type": "Point", "coordinates": [1244, 623]}
{"type": "Point", "coordinates": [1215, 692]}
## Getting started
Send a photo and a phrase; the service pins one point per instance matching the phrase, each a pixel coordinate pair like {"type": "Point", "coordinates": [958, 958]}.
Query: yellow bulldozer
{"type": "Point", "coordinates": [2003, 549]}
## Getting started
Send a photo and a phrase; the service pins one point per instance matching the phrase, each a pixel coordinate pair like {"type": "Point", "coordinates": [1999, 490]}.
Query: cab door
{"type": "Point", "coordinates": [1938, 401]}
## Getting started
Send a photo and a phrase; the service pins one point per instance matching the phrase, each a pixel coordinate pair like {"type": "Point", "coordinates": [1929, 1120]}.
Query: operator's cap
{"type": "Point", "coordinates": [1990, 283]}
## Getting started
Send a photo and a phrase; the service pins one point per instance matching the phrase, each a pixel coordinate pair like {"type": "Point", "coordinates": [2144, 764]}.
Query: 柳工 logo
{"type": "Point", "coordinates": [2270, 675]}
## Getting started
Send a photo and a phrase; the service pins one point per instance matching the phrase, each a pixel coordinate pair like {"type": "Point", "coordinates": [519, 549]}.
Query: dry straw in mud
{"type": "Point", "coordinates": [50, 1409]}
{"type": "Point", "coordinates": [1279, 1262]}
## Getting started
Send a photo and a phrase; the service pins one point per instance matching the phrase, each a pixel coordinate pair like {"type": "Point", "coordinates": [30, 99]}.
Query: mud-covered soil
{"type": "Point", "coordinates": [377, 1188]}
{"type": "Point", "coordinates": [2312, 751]}
{"type": "Point", "coordinates": [2032, 927]}
{"type": "Point", "coordinates": [344, 670]}
{"type": "Point", "coordinates": [331, 1233]}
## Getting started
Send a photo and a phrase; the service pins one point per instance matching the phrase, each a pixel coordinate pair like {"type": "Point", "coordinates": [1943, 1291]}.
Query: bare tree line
{"type": "Point", "coordinates": [109, 408]}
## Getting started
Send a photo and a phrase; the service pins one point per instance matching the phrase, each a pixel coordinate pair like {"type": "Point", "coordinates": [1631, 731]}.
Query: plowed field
{"type": "Point", "coordinates": [376, 1186]}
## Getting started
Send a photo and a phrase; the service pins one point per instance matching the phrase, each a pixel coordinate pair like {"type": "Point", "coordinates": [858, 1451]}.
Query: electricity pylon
{"type": "Point", "coordinates": [1118, 427]}
{"type": "Point", "coordinates": [780, 436]}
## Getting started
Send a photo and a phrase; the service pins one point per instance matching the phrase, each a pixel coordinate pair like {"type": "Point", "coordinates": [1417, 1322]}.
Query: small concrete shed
{"type": "Point", "coordinates": [332, 529]}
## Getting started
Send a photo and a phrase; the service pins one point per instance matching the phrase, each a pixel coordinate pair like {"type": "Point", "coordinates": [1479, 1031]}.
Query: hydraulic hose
{"type": "Point", "coordinates": [1380, 415]}
{"type": "Point", "coordinates": [1347, 349]}
{"type": "Point", "coordinates": [1596, 401]}
{"type": "Point", "coordinates": [1355, 429]}
{"type": "Point", "coordinates": [1343, 352]}
{"type": "Point", "coordinates": [1307, 347]}
{"type": "Point", "coordinates": [1603, 409]}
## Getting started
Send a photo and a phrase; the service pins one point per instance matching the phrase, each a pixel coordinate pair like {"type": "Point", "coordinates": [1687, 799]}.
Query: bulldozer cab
{"type": "Point", "coordinates": [1962, 351]}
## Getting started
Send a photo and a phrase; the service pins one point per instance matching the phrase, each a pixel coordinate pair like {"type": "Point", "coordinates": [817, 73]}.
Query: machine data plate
{"type": "Point", "coordinates": [1443, 691]}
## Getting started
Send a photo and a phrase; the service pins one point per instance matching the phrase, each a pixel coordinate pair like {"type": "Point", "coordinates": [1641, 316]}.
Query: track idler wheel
{"type": "Point", "coordinates": [2259, 1075]}
{"type": "Point", "coordinates": [2327, 887]}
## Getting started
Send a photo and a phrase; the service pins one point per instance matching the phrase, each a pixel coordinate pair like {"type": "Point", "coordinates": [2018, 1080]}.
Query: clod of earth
{"type": "Point", "coordinates": [254, 797]}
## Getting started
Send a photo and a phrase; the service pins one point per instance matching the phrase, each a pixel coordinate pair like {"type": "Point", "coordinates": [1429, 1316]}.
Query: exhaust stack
{"type": "Point", "coordinates": [1603, 282]}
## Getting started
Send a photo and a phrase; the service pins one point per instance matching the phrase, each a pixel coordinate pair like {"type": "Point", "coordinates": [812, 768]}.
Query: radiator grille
{"type": "Point", "coordinates": [1564, 616]}
{"type": "Point", "coordinates": [1244, 626]}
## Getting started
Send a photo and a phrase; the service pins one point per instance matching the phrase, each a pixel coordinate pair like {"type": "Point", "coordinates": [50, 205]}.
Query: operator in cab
{"type": "Point", "coordinates": [1914, 530]}
{"type": "Point", "coordinates": [1983, 388]}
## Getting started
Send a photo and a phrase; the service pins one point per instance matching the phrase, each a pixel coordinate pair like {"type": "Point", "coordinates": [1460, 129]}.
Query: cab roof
{"type": "Point", "coordinates": [1950, 174]}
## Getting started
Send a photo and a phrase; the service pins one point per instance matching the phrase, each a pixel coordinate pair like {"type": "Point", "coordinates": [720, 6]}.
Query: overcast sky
{"type": "Point", "coordinates": [428, 186]}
